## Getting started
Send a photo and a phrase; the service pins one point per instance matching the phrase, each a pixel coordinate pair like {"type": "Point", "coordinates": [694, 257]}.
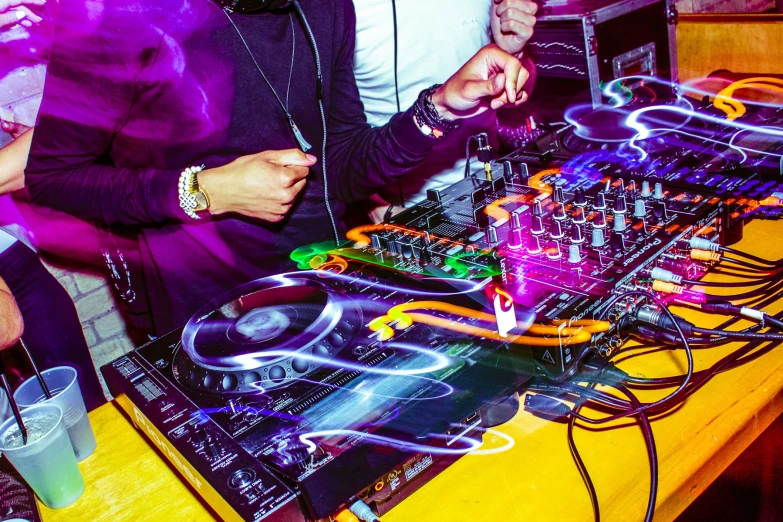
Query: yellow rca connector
{"type": "Point", "coordinates": [705, 255]}
{"type": "Point", "coordinates": [667, 288]}
{"type": "Point", "coordinates": [379, 485]}
{"type": "Point", "coordinates": [345, 516]}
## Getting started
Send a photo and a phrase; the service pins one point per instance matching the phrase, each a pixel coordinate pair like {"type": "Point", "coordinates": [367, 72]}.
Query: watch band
{"type": "Point", "coordinates": [189, 192]}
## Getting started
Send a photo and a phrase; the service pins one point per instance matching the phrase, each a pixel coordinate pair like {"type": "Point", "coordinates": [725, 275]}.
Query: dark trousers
{"type": "Point", "coordinates": [52, 330]}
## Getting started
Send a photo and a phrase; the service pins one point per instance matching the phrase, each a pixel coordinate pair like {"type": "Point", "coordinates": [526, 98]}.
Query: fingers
{"type": "Point", "coordinates": [475, 90]}
{"type": "Point", "coordinates": [10, 18]}
{"type": "Point", "coordinates": [7, 4]}
{"type": "Point", "coordinates": [521, 27]}
{"type": "Point", "coordinates": [522, 79]}
{"type": "Point", "coordinates": [289, 157]}
{"type": "Point", "coordinates": [512, 69]}
{"type": "Point", "coordinates": [523, 6]}
{"type": "Point", "coordinates": [286, 199]}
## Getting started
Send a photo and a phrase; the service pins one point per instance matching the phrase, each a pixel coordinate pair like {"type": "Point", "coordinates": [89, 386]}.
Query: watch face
{"type": "Point", "coordinates": [201, 201]}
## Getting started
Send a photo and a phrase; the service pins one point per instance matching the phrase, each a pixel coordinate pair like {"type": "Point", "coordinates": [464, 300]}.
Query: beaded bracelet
{"type": "Point", "coordinates": [427, 118]}
{"type": "Point", "coordinates": [187, 196]}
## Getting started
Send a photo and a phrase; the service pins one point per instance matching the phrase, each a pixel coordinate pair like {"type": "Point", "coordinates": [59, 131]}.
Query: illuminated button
{"type": "Point", "coordinates": [229, 382]}
{"type": "Point", "coordinates": [242, 478]}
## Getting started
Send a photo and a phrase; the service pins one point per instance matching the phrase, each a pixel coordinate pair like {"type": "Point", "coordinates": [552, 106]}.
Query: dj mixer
{"type": "Point", "coordinates": [351, 382]}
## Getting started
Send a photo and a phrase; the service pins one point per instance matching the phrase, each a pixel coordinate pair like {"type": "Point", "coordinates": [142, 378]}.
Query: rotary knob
{"type": "Point", "coordinates": [620, 206]}
{"type": "Point", "coordinates": [579, 215]}
{"type": "Point", "coordinates": [579, 198]}
{"type": "Point", "coordinates": [639, 210]}
{"type": "Point", "coordinates": [537, 226]}
{"type": "Point", "coordinates": [600, 201]}
{"type": "Point", "coordinates": [576, 234]}
{"type": "Point", "coordinates": [600, 220]}
{"type": "Point", "coordinates": [646, 189]}
{"type": "Point", "coordinates": [534, 247]}
{"type": "Point", "coordinates": [559, 212]}
{"type": "Point", "coordinates": [557, 230]}
{"type": "Point", "coordinates": [553, 252]}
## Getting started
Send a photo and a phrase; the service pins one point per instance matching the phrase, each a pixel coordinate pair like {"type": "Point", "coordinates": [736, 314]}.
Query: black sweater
{"type": "Point", "coordinates": [136, 92]}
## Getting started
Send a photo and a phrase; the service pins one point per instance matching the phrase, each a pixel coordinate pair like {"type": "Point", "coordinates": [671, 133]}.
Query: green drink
{"type": "Point", "coordinates": [47, 461]}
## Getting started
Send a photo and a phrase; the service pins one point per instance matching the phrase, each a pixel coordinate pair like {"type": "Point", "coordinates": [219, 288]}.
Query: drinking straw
{"type": "Point", "coordinates": [29, 355]}
{"type": "Point", "coordinates": [14, 408]}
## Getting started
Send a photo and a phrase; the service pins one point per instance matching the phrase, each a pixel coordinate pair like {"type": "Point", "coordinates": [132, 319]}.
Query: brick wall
{"type": "Point", "coordinates": [103, 326]}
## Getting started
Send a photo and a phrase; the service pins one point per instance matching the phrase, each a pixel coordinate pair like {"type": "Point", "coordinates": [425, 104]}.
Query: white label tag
{"type": "Point", "coordinates": [504, 312]}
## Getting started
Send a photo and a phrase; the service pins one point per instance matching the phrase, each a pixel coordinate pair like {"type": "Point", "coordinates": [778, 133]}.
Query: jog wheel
{"type": "Point", "coordinates": [265, 335]}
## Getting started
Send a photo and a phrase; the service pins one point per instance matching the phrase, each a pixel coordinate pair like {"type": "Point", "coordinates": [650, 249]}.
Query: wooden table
{"type": "Point", "coordinates": [536, 479]}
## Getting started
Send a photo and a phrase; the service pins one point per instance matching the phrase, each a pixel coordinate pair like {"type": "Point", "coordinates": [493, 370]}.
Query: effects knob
{"type": "Point", "coordinates": [600, 220]}
{"type": "Point", "coordinates": [600, 201]}
{"type": "Point", "coordinates": [515, 239]}
{"type": "Point", "coordinates": [534, 247]}
{"type": "Point", "coordinates": [579, 198]}
{"type": "Point", "coordinates": [617, 242]}
{"type": "Point", "coordinates": [553, 252]}
{"type": "Point", "coordinates": [559, 212]}
{"type": "Point", "coordinates": [537, 210]}
{"type": "Point", "coordinates": [597, 240]}
{"type": "Point", "coordinates": [620, 185]}
{"type": "Point", "coordinates": [646, 189]}
{"type": "Point", "coordinates": [537, 226]}
{"type": "Point", "coordinates": [557, 230]}
{"type": "Point", "coordinates": [619, 223]}
{"type": "Point", "coordinates": [576, 234]}
{"type": "Point", "coordinates": [574, 255]}
{"type": "Point", "coordinates": [491, 235]}
{"type": "Point", "coordinates": [620, 206]}
{"type": "Point", "coordinates": [557, 195]}
{"type": "Point", "coordinates": [579, 215]}
{"type": "Point", "coordinates": [632, 187]}
{"type": "Point", "coordinates": [516, 221]}
{"type": "Point", "coordinates": [639, 209]}
{"type": "Point", "coordinates": [658, 191]}
{"type": "Point", "coordinates": [659, 211]}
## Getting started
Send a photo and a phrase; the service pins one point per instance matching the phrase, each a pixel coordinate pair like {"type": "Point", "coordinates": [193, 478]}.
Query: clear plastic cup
{"type": "Point", "coordinates": [66, 394]}
{"type": "Point", "coordinates": [47, 461]}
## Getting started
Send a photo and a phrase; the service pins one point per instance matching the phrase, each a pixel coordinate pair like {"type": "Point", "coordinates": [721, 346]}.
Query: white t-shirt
{"type": "Point", "coordinates": [435, 39]}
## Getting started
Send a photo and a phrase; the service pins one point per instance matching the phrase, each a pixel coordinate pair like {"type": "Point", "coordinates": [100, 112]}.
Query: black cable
{"type": "Point", "coordinates": [729, 284]}
{"type": "Point", "coordinates": [757, 259]}
{"type": "Point", "coordinates": [689, 354]}
{"type": "Point", "coordinates": [582, 468]}
{"type": "Point", "coordinates": [396, 86]}
{"type": "Point", "coordinates": [740, 335]}
{"type": "Point", "coordinates": [652, 452]}
{"type": "Point", "coordinates": [467, 156]}
{"type": "Point", "coordinates": [747, 265]}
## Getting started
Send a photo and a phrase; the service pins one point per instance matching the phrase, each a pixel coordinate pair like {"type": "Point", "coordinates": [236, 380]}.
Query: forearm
{"type": "Point", "coordinates": [108, 194]}
{"type": "Point", "coordinates": [13, 158]}
{"type": "Point", "coordinates": [11, 324]}
{"type": "Point", "coordinates": [365, 161]}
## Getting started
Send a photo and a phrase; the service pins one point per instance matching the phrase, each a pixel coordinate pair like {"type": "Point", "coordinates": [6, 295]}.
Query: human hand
{"type": "Point", "coordinates": [512, 24]}
{"type": "Point", "coordinates": [11, 322]}
{"type": "Point", "coordinates": [263, 185]}
{"type": "Point", "coordinates": [14, 12]}
{"type": "Point", "coordinates": [490, 80]}
{"type": "Point", "coordinates": [14, 129]}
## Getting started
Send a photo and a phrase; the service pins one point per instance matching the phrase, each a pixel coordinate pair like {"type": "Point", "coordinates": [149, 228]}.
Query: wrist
{"type": "Point", "coordinates": [207, 180]}
{"type": "Point", "coordinates": [439, 101]}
